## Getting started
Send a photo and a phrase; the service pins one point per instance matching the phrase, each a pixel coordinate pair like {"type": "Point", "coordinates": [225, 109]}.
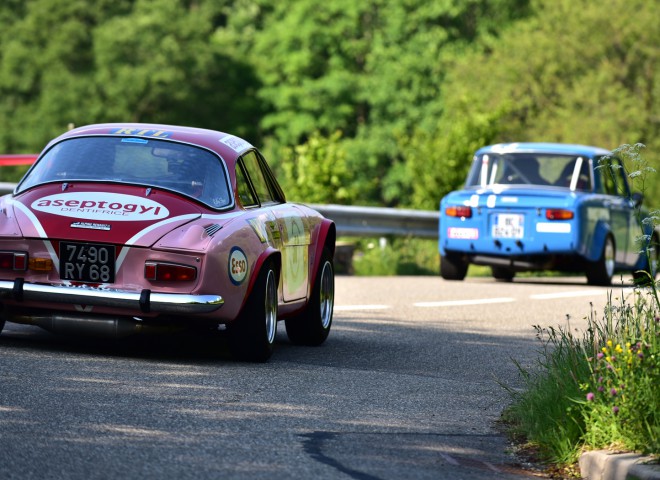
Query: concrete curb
{"type": "Point", "coordinates": [604, 465]}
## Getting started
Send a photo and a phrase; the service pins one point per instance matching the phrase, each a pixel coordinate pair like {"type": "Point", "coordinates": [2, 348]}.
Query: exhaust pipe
{"type": "Point", "coordinates": [100, 327]}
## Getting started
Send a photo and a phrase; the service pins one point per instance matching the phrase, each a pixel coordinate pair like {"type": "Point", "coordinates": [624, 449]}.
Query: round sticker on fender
{"type": "Point", "coordinates": [238, 266]}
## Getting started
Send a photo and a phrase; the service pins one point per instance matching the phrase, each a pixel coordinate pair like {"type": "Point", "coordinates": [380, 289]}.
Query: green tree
{"type": "Point", "coordinates": [414, 86]}
{"type": "Point", "coordinates": [68, 62]}
{"type": "Point", "coordinates": [574, 72]}
{"type": "Point", "coordinates": [317, 172]}
{"type": "Point", "coordinates": [373, 70]}
{"type": "Point", "coordinates": [166, 67]}
{"type": "Point", "coordinates": [46, 68]}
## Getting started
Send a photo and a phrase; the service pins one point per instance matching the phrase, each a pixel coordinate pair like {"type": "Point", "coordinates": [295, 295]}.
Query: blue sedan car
{"type": "Point", "coordinates": [545, 206]}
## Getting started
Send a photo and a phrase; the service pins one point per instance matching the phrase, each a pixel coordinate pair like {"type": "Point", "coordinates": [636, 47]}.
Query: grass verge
{"type": "Point", "coordinates": [594, 391]}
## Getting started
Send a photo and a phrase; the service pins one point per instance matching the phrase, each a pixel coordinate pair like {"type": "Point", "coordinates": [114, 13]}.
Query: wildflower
{"type": "Point", "coordinates": [600, 379]}
{"type": "Point", "coordinates": [615, 410]}
{"type": "Point", "coordinates": [613, 392]}
{"type": "Point", "coordinates": [618, 348]}
{"type": "Point", "coordinates": [600, 355]}
{"type": "Point", "coordinates": [640, 355]}
{"type": "Point", "coordinates": [590, 397]}
{"type": "Point", "coordinates": [601, 388]}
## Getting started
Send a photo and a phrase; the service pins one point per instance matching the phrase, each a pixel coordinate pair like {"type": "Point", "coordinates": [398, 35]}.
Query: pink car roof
{"type": "Point", "coordinates": [228, 146]}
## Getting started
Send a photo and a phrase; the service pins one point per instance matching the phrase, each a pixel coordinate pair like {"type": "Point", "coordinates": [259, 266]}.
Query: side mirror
{"type": "Point", "coordinates": [637, 199]}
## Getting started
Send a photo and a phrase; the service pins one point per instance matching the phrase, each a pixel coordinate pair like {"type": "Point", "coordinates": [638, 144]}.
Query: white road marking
{"type": "Point", "coordinates": [476, 301]}
{"type": "Point", "coordinates": [459, 303]}
{"type": "Point", "coordinates": [579, 293]}
{"type": "Point", "coordinates": [346, 308]}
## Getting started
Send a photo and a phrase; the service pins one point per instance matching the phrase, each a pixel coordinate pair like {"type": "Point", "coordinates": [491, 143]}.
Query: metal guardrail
{"type": "Point", "coordinates": [354, 221]}
{"type": "Point", "coordinates": [6, 187]}
{"type": "Point", "coordinates": [377, 221]}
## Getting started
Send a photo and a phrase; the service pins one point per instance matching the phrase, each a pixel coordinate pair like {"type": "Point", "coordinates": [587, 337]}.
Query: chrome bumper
{"type": "Point", "coordinates": [145, 301]}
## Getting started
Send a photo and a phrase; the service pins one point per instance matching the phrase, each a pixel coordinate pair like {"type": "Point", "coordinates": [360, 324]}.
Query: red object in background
{"type": "Point", "coordinates": [18, 159]}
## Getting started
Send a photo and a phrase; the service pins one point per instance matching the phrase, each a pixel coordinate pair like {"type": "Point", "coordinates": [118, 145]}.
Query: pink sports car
{"type": "Point", "coordinates": [125, 228]}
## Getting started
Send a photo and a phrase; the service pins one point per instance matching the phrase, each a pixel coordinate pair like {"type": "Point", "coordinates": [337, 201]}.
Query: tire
{"type": "Point", "coordinates": [2, 324]}
{"type": "Point", "coordinates": [650, 271]}
{"type": "Point", "coordinates": [252, 335]}
{"type": "Point", "coordinates": [453, 267]}
{"type": "Point", "coordinates": [601, 271]}
{"type": "Point", "coordinates": [313, 325]}
{"type": "Point", "coordinates": [502, 274]}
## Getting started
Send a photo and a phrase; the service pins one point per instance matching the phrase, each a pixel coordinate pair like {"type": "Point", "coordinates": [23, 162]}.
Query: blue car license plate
{"type": "Point", "coordinates": [87, 262]}
{"type": "Point", "coordinates": [508, 225]}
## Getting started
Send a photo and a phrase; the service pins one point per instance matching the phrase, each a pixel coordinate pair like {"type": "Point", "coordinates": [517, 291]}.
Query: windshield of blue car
{"type": "Point", "coordinates": [565, 171]}
{"type": "Point", "coordinates": [181, 168]}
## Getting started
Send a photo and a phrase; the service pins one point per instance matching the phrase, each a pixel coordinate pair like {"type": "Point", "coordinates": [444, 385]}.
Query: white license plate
{"type": "Point", "coordinates": [508, 225]}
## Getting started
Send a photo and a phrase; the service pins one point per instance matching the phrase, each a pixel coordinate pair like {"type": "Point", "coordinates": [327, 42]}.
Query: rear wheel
{"type": "Point", "coordinates": [252, 335]}
{"type": "Point", "coordinates": [313, 325]}
{"type": "Point", "coordinates": [453, 267]}
{"type": "Point", "coordinates": [502, 274]}
{"type": "Point", "coordinates": [601, 271]}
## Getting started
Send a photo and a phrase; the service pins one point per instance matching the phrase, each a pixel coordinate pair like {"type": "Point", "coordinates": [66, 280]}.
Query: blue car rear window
{"type": "Point", "coordinates": [566, 171]}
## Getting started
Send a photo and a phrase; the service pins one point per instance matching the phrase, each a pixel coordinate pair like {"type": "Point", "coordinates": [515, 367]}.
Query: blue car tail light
{"type": "Point", "coordinates": [458, 211]}
{"type": "Point", "coordinates": [559, 214]}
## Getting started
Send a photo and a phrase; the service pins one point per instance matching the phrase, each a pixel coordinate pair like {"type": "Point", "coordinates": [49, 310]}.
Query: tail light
{"type": "Point", "coordinates": [40, 264]}
{"type": "Point", "coordinates": [13, 261]}
{"type": "Point", "coordinates": [169, 272]}
{"type": "Point", "coordinates": [559, 214]}
{"type": "Point", "coordinates": [458, 211]}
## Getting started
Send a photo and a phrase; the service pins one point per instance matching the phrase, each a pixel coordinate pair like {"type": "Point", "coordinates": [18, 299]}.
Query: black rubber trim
{"type": "Point", "coordinates": [145, 300]}
{"type": "Point", "coordinates": [17, 291]}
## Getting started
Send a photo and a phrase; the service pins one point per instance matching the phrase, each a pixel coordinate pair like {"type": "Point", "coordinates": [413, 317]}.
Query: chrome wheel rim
{"type": "Point", "coordinates": [270, 299]}
{"type": "Point", "coordinates": [327, 293]}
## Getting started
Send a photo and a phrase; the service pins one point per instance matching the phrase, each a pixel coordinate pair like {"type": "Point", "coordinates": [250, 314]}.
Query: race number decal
{"type": "Point", "coordinates": [238, 266]}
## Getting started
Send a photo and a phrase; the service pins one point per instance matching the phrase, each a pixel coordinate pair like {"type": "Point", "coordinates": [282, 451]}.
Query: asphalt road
{"type": "Point", "coordinates": [408, 385]}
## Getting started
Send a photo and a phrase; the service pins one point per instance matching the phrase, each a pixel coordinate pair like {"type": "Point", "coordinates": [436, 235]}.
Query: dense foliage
{"type": "Point", "coordinates": [378, 102]}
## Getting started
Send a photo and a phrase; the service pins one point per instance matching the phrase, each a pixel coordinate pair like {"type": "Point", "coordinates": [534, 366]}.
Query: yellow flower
{"type": "Point", "coordinates": [609, 343]}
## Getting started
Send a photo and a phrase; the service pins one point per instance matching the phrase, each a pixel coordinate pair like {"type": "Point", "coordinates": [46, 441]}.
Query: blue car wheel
{"type": "Point", "coordinates": [502, 274]}
{"type": "Point", "coordinates": [453, 267]}
{"type": "Point", "coordinates": [601, 271]}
